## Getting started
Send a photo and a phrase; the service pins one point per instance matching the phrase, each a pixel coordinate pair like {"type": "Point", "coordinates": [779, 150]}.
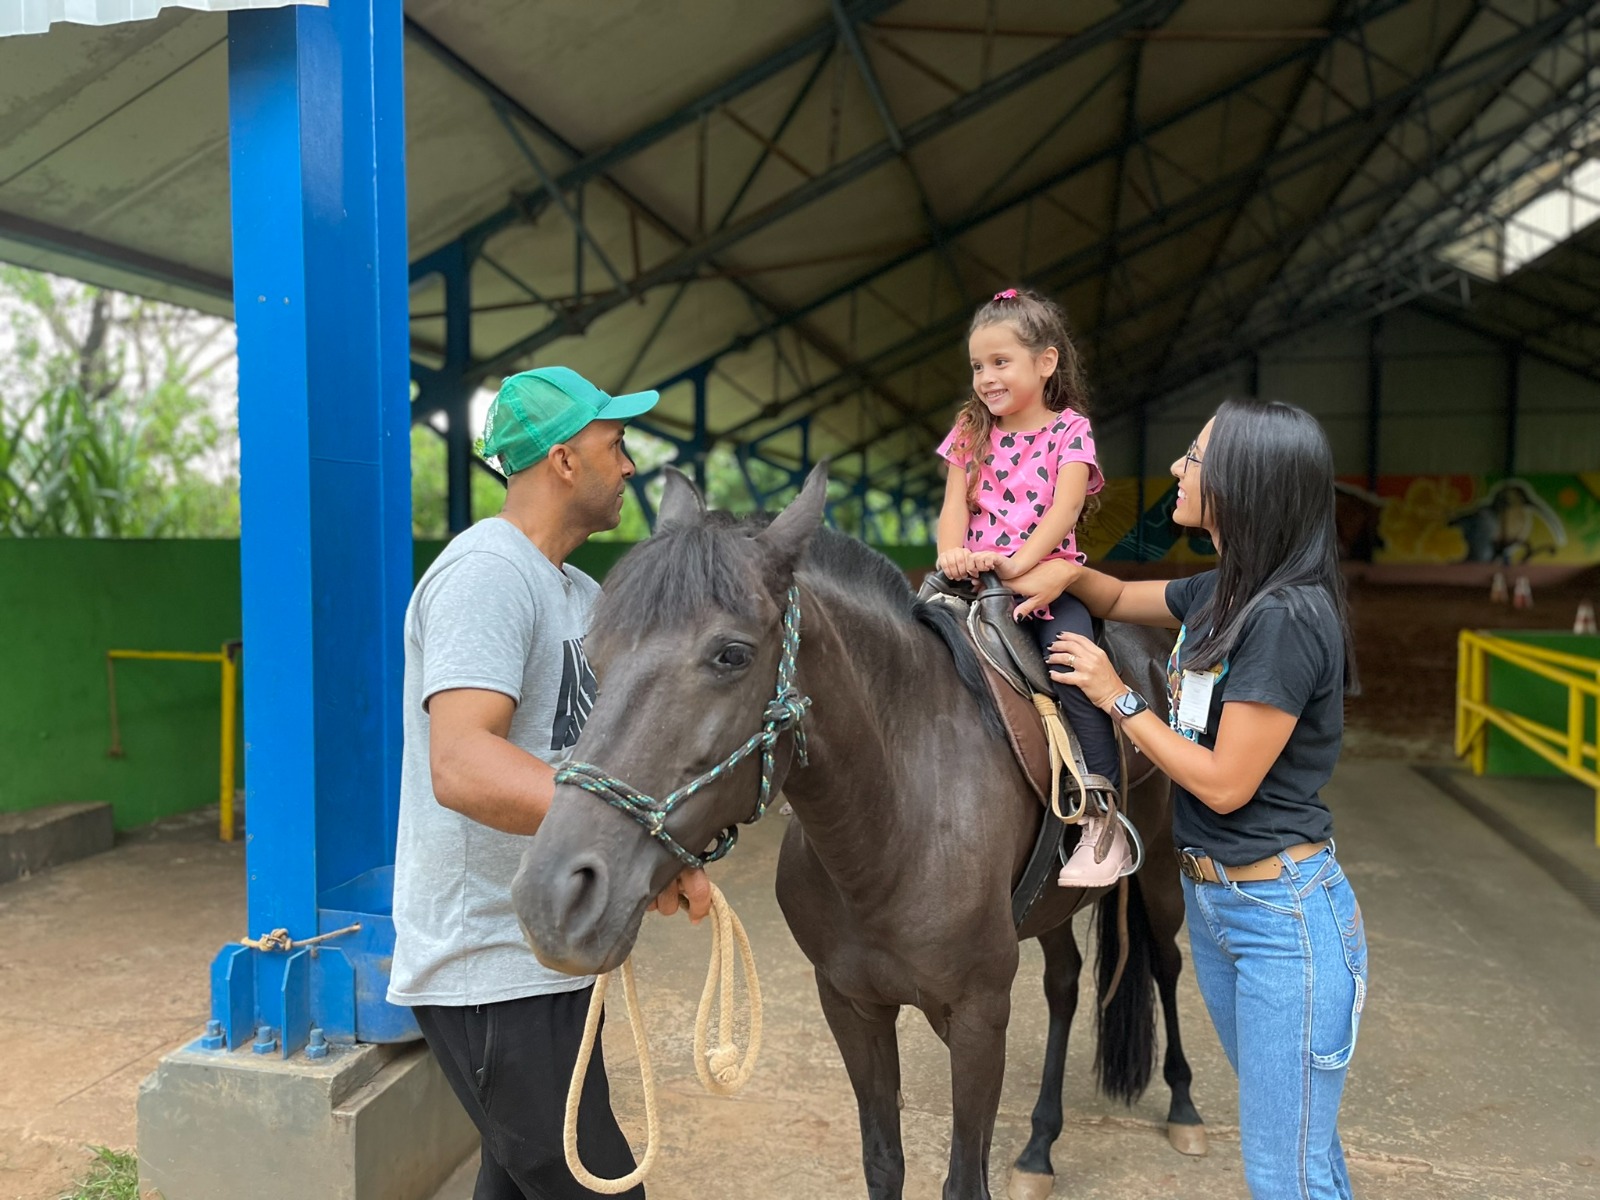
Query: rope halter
{"type": "Point", "coordinates": [785, 712]}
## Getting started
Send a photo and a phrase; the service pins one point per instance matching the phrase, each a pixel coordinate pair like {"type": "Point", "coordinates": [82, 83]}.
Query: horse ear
{"type": "Point", "coordinates": [790, 531]}
{"type": "Point", "coordinates": [681, 503]}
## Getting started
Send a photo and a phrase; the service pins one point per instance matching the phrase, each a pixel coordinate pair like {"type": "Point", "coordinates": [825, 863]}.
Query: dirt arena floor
{"type": "Point", "coordinates": [1478, 1075]}
{"type": "Point", "coordinates": [1406, 639]}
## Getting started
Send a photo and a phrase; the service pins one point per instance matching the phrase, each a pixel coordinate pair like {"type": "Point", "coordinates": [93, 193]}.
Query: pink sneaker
{"type": "Point", "coordinates": [1082, 871]}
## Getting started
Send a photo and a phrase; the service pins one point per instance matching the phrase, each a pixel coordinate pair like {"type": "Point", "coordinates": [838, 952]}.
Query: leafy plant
{"type": "Point", "coordinates": [114, 414]}
{"type": "Point", "coordinates": [114, 1176]}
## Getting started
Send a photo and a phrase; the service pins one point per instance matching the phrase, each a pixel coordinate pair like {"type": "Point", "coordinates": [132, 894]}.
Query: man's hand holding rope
{"type": "Point", "coordinates": [692, 890]}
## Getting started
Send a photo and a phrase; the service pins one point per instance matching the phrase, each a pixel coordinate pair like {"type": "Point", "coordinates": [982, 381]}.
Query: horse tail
{"type": "Point", "coordinates": [1125, 1025]}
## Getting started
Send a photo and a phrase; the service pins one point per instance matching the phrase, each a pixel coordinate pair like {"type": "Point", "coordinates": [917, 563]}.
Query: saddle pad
{"type": "Point", "coordinates": [1024, 730]}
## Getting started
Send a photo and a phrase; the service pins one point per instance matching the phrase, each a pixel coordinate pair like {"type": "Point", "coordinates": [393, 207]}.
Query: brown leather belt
{"type": "Point", "coordinates": [1203, 870]}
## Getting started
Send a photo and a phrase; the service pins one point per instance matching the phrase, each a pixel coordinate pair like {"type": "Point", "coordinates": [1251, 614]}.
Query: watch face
{"type": "Point", "coordinates": [1130, 704]}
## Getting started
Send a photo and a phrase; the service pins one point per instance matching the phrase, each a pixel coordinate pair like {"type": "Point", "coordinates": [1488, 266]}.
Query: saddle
{"type": "Point", "coordinates": [1044, 744]}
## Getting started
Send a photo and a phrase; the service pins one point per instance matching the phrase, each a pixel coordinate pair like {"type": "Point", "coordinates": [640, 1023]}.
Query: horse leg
{"type": "Point", "coordinates": [1033, 1177]}
{"type": "Point", "coordinates": [1185, 1130]}
{"type": "Point", "coordinates": [976, 1036]}
{"type": "Point", "coordinates": [867, 1039]}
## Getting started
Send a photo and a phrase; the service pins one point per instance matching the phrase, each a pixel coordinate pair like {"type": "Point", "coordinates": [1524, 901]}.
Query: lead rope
{"type": "Point", "coordinates": [723, 1071]}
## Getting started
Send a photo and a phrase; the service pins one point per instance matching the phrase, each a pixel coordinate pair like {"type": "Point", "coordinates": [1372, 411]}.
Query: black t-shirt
{"type": "Point", "coordinates": [1294, 661]}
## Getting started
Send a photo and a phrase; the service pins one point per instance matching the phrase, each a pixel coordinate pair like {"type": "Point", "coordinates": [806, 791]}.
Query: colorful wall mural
{"type": "Point", "coordinates": [1532, 518]}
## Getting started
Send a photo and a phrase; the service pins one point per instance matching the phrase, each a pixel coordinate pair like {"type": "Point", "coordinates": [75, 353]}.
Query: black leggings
{"type": "Point", "coordinates": [1093, 727]}
{"type": "Point", "coordinates": [509, 1065]}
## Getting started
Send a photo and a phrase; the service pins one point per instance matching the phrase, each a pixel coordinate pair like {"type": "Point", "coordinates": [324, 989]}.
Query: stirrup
{"type": "Point", "coordinates": [1134, 840]}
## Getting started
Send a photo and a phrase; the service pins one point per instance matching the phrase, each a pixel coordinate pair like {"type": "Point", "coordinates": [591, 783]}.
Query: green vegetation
{"type": "Point", "coordinates": [726, 489]}
{"type": "Point", "coordinates": [119, 419]}
{"type": "Point", "coordinates": [114, 1176]}
{"type": "Point", "coordinates": [116, 414]}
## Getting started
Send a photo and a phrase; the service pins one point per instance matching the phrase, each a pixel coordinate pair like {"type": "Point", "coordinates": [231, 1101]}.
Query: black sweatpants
{"type": "Point", "coordinates": [509, 1065]}
{"type": "Point", "coordinates": [1093, 727]}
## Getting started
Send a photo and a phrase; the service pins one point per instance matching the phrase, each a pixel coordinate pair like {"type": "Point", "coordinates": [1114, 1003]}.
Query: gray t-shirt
{"type": "Point", "coordinates": [492, 613]}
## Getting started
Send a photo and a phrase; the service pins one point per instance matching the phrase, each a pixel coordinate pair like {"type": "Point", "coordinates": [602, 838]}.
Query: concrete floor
{"type": "Point", "coordinates": [1478, 1073]}
{"type": "Point", "coordinates": [104, 967]}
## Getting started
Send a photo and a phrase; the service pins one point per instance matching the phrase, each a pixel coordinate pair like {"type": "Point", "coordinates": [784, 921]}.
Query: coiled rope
{"type": "Point", "coordinates": [723, 1070]}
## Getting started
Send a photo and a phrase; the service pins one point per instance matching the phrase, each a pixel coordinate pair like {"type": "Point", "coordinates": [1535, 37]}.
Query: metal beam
{"type": "Point", "coordinates": [1307, 278]}
{"type": "Point", "coordinates": [1130, 136]}
{"type": "Point", "coordinates": [503, 103]}
{"type": "Point", "coordinates": [1486, 325]}
{"type": "Point", "coordinates": [1550, 27]}
{"type": "Point", "coordinates": [1274, 140]}
{"type": "Point", "coordinates": [594, 166]}
{"type": "Point", "coordinates": [727, 215]}
{"type": "Point", "coordinates": [1513, 407]}
{"type": "Point", "coordinates": [1219, 198]}
{"type": "Point", "coordinates": [56, 240]}
{"type": "Point", "coordinates": [983, 214]}
{"type": "Point", "coordinates": [1374, 399]}
{"type": "Point", "coordinates": [1208, 202]}
{"type": "Point", "coordinates": [693, 257]}
{"type": "Point", "coordinates": [559, 198]}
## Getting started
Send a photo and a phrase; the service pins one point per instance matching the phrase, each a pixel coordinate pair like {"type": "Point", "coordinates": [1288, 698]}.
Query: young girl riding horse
{"type": "Point", "coordinates": [1022, 465]}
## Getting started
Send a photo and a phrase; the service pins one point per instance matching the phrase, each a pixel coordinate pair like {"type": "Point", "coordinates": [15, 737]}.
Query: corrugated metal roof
{"type": "Point", "coordinates": [1192, 180]}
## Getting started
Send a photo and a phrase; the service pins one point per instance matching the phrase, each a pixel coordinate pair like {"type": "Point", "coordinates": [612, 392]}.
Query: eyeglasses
{"type": "Point", "coordinates": [1192, 454]}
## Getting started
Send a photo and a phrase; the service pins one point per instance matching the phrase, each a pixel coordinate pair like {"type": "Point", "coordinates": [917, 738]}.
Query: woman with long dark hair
{"type": "Point", "coordinates": [1256, 682]}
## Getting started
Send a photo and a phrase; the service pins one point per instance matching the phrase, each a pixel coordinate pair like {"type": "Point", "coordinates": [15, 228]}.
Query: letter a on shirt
{"type": "Point", "coordinates": [575, 698]}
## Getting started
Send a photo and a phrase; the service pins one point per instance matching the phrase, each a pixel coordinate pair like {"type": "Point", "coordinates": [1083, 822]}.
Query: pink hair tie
{"type": "Point", "coordinates": [1008, 294]}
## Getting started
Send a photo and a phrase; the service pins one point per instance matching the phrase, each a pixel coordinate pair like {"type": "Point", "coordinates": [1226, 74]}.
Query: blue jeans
{"type": "Point", "coordinates": [1282, 965]}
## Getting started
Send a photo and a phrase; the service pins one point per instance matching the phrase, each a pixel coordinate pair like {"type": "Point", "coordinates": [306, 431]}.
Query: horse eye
{"type": "Point", "coordinates": [734, 655]}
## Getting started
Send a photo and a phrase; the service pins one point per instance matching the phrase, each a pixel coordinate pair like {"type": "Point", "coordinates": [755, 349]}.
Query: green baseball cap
{"type": "Point", "coordinates": [538, 409]}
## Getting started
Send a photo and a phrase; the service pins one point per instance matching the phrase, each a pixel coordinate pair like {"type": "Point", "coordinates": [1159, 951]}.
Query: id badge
{"type": "Point", "coordinates": [1194, 700]}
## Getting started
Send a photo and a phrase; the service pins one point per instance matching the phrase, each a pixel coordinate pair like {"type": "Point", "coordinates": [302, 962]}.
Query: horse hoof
{"type": "Point", "coordinates": [1188, 1139]}
{"type": "Point", "coordinates": [1025, 1185]}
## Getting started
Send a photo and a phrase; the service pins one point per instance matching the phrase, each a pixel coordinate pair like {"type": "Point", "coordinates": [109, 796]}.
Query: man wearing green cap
{"type": "Point", "coordinates": [496, 691]}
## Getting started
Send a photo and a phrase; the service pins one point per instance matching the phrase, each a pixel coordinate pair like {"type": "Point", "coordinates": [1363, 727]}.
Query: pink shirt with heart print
{"type": "Point", "coordinates": [1017, 482]}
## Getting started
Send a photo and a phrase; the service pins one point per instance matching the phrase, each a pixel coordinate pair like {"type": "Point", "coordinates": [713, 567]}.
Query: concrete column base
{"type": "Point", "coordinates": [365, 1123]}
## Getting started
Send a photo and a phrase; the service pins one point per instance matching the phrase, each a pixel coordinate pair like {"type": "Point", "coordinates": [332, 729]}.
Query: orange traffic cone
{"type": "Point", "coordinates": [1585, 620]}
{"type": "Point", "coordinates": [1522, 593]}
{"type": "Point", "coordinates": [1497, 589]}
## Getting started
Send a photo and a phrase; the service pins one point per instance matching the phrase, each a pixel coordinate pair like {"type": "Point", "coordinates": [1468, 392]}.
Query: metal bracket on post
{"type": "Point", "coordinates": [296, 1003]}
{"type": "Point", "coordinates": [233, 999]}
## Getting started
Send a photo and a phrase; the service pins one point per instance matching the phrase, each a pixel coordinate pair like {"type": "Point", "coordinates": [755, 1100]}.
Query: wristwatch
{"type": "Point", "coordinates": [1129, 704]}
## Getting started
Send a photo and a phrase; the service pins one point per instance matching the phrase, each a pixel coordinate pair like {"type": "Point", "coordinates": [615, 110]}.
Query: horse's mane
{"type": "Point", "coordinates": [687, 567]}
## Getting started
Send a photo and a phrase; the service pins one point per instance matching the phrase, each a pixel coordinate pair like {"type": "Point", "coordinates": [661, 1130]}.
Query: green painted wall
{"type": "Point", "coordinates": [1534, 697]}
{"type": "Point", "coordinates": [66, 602]}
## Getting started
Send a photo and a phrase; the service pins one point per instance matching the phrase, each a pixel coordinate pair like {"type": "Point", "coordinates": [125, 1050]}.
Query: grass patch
{"type": "Point", "coordinates": [114, 1176]}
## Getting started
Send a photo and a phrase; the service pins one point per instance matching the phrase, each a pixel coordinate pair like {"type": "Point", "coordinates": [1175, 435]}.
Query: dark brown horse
{"type": "Point", "coordinates": [912, 820]}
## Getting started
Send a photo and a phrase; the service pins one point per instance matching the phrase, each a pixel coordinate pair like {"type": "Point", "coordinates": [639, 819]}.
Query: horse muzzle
{"type": "Point", "coordinates": [580, 897]}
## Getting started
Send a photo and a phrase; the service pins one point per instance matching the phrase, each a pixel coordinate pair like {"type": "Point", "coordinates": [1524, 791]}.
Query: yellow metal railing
{"type": "Point", "coordinates": [228, 658]}
{"type": "Point", "coordinates": [1568, 748]}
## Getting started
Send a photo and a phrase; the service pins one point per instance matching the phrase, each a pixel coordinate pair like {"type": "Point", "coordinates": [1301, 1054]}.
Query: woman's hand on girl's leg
{"type": "Point", "coordinates": [1038, 586]}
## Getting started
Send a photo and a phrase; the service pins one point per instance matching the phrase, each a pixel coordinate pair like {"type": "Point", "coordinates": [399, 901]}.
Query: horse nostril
{"type": "Point", "coordinates": [581, 900]}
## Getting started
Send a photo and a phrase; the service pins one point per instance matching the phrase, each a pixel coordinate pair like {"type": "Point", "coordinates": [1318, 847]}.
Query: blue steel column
{"type": "Point", "coordinates": [317, 151]}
